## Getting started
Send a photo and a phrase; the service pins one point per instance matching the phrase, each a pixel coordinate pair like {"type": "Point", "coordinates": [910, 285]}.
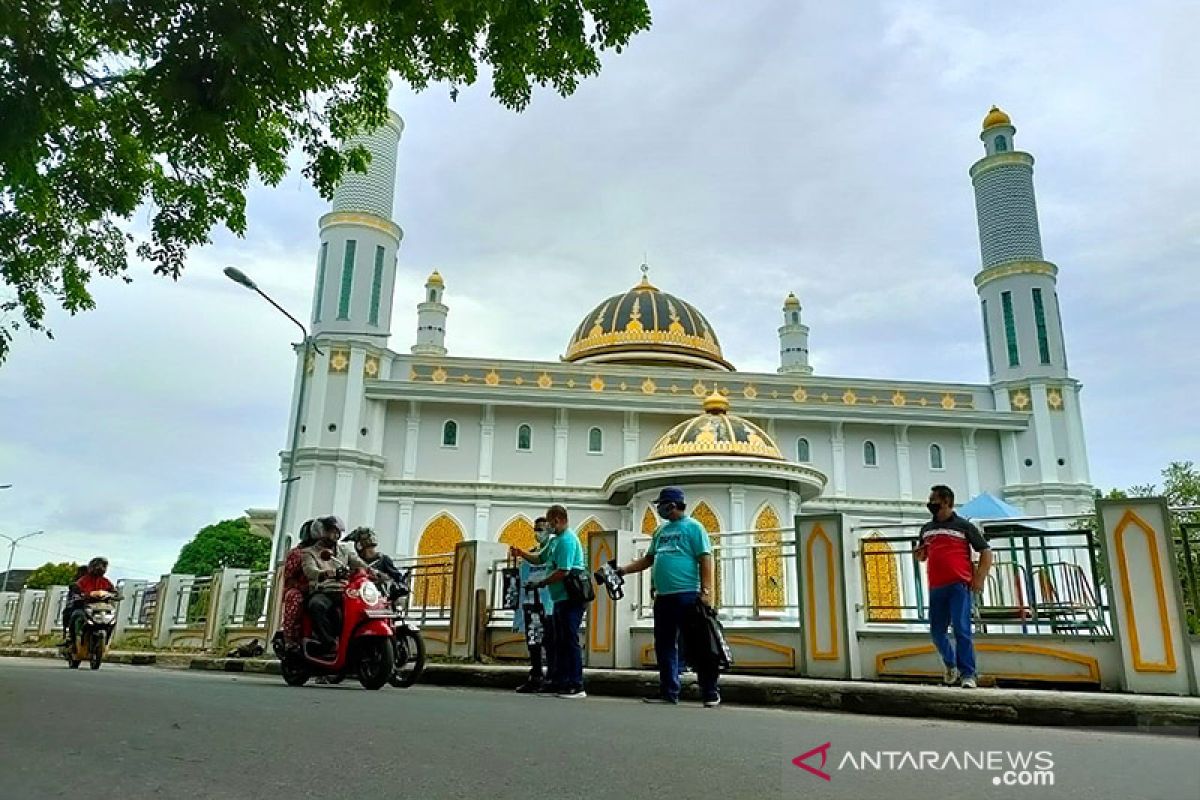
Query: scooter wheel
{"type": "Point", "coordinates": [294, 674]}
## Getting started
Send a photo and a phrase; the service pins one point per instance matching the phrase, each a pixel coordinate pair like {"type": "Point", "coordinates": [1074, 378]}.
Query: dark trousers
{"type": "Point", "coordinates": [568, 657]}
{"type": "Point", "coordinates": [673, 616]}
{"type": "Point", "coordinates": [542, 655]}
{"type": "Point", "coordinates": [324, 610]}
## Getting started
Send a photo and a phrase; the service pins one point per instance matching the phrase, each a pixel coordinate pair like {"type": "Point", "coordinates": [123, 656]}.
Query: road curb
{"type": "Point", "coordinates": [1006, 706]}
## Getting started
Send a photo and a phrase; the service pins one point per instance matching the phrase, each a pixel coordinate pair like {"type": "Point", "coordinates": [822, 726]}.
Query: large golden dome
{"type": "Point", "coordinates": [716, 432]}
{"type": "Point", "coordinates": [646, 326]}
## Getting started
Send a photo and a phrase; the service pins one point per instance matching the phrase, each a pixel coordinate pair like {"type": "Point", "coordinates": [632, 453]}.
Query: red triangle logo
{"type": "Point", "coordinates": [819, 772]}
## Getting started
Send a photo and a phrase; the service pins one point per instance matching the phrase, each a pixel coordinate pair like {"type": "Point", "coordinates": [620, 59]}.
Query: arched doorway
{"type": "Point", "coordinates": [585, 530]}
{"type": "Point", "coordinates": [883, 579]}
{"type": "Point", "coordinates": [518, 532]}
{"type": "Point", "coordinates": [649, 522]}
{"type": "Point", "coordinates": [435, 570]}
{"type": "Point", "coordinates": [768, 561]}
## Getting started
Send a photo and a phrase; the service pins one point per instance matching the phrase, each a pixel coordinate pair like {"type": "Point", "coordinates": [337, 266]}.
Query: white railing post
{"type": "Point", "coordinates": [165, 608]}
{"type": "Point", "coordinates": [132, 591]}
{"type": "Point", "coordinates": [221, 602]}
{"type": "Point", "coordinates": [24, 616]}
{"type": "Point", "coordinates": [56, 597]}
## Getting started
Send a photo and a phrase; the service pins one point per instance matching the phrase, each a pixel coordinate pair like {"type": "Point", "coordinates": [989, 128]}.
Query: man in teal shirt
{"type": "Point", "coordinates": [562, 556]}
{"type": "Point", "coordinates": [681, 564]}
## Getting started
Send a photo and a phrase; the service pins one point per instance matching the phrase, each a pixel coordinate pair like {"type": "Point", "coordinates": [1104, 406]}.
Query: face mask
{"type": "Point", "coordinates": [934, 508]}
{"type": "Point", "coordinates": [541, 536]}
{"type": "Point", "coordinates": [665, 510]}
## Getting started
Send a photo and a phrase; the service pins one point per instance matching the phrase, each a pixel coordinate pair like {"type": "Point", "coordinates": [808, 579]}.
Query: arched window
{"type": "Point", "coordinates": [524, 438]}
{"type": "Point", "coordinates": [935, 457]}
{"type": "Point", "coordinates": [803, 453]}
{"type": "Point", "coordinates": [795, 317]}
{"type": "Point", "coordinates": [595, 441]}
{"type": "Point", "coordinates": [449, 433]}
{"type": "Point", "coordinates": [433, 295]}
{"type": "Point", "coordinates": [870, 457]}
{"type": "Point", "coordinates": [1001, 144]}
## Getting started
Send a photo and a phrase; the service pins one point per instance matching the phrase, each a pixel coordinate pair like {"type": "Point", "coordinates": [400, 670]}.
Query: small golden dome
{"type": "Point", "coordinates": [435, 279]}
{"type": "Point", "coordinates": [996, 117]}
{"type": "Point", "coordinates": [792, 301]}
{"type": "Point", "coordinates": [716, 403]}
{"type": "Point", "coordinates": [716, 432]}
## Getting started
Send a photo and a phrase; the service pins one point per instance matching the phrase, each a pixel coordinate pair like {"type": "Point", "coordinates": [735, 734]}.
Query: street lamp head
{"type": "Point", "coordinates": [235, 274]}
{"type": "Point", "coordinates": [5, 485]}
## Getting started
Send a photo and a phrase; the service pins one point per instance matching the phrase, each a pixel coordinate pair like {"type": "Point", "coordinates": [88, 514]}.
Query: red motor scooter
{"type": "Point", "coordinates": [364, 647]}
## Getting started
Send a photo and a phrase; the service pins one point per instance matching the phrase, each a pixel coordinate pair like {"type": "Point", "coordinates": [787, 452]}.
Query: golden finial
{"type": "Point", "coordinates": [435, 279]}
{"type": "Point", "coordinates": [645, 282]}
{"type": "Point", "coordinates": [716, 403]}
{"type": "Point", "coordinates": [996, 117]}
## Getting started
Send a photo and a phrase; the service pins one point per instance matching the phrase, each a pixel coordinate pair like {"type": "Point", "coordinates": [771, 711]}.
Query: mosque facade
{"type": "Point", "coordinates": [431, 447]}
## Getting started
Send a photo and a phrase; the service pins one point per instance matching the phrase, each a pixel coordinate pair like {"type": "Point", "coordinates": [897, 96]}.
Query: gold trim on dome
{"type": "Point", "coordinates": [339, 361]}
{"type": "Point", "coordinates": [492, 378]}
{"type": "Point", "coordinates": [649, 387]}
{"type": "Point", "coordinates": [435, 279]}
{"type": "Point", "coordinates": [996, 117]}
{"type": "Point", "coordinates": [544, 381]}
{"type": "Point", "coordinates": [595, 340]}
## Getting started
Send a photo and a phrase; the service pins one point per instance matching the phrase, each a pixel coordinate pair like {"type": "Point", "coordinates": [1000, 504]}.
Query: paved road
{"type": "Point", "coordinates": [140, 732]}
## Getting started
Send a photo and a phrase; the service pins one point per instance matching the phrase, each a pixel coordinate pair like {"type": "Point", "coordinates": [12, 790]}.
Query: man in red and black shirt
{"type": "Point", "coordinates": [946, 544]}
{"type": "Point", "coordinates": [91, 581]}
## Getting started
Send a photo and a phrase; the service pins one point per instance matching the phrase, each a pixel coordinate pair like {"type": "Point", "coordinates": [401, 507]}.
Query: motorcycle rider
{"type": "Point", "coordinates": [367, 547]}
{"type": "Point", "coordinates": [327, 579]}
{"type": "Point", "coordinates": [77, 596]}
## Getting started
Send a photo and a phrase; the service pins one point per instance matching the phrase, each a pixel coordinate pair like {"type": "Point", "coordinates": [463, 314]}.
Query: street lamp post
{"type": "Point", "coordinates": [236, 275]}
{"type": "Point", "coordinates": [12, 548]}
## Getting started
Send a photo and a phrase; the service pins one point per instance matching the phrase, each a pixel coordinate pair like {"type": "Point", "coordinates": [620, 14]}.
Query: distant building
{"type": "Point", "coordinates": [16, 579]}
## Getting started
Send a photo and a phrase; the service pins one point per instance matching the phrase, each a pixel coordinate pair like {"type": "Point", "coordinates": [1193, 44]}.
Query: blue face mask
{"type": "Point", "coordinates": [541, 535]}
{"type": "Point", "coordinates": [664, 510]}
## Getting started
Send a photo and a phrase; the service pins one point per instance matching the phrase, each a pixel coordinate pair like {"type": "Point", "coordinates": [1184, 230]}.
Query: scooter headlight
{"type": "Point", "coordinates": [370, 594]}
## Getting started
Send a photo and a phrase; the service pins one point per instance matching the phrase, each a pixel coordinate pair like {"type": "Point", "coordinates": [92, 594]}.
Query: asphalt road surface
{"type": "Point", "coordinates": [137, 732]}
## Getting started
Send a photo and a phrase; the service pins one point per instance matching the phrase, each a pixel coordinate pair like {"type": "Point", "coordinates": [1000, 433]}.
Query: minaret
{"type": "Point", "coordinates": [339, 457]}
{"type": "Point", "coordinates": [793, 340]}
{"type": "Point", "coordinates": [356, 266]}
{"type": "Point", "coordinates": [1023, 335]}
{"type": "Point", "coordinates": [431, 319]}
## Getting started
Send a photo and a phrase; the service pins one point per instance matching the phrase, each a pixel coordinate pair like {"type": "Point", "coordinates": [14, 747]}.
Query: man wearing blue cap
{"type": "Point", "coordinates": [681, 564]}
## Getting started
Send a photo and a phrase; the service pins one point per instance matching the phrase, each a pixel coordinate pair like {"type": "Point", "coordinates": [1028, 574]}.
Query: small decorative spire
{"type": "Point", "coordinates": [716, 403]}
{"type": "Point", "coordinates": [645, 283]}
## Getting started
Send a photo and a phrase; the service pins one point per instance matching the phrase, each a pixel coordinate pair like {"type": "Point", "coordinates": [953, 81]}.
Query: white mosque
{"type": "Point", "coordinates": [431, 448]}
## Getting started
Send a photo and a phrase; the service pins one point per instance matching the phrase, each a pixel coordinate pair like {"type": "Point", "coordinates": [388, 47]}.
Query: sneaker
{"type": "Point", "coordinates": [969, 682]}
{"type": "Point", "coordinates": [661, 699]}
{"type": "Point", "coordinates": [548, 689]}
{"type": "Point", "coordinates": [529, 688]}
{"type": "Point", "coordinates": [572, 694]}
{"type": "Point", "coordinates": [950, 676]}
{"type": "Point", "coordinates": [712, 702]}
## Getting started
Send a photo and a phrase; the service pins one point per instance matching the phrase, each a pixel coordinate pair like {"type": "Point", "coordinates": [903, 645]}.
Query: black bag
{"type": "Point", "coordinates": [579, 587]}
{"type": "Point", "coordinates": [704, 639]}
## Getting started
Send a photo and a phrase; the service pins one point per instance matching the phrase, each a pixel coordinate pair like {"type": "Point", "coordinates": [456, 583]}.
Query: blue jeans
{"type": "Point", "coordinates": [671, 613]}
{"type": "Point", "coordinates": [567, 664]}
{"type": "Point", "coordinates": [950, 607]}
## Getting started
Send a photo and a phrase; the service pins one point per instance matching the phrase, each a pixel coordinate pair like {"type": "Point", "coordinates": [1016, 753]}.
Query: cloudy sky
{"type": "Point", "coordinates": [748, 150]}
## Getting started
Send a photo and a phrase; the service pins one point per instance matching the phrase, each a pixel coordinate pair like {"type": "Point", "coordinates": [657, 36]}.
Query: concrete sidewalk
{"type": "Point", "coordinates": [1010, 706]}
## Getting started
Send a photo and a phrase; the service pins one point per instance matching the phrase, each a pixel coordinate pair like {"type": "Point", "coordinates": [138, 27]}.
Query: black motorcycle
{"type": "Point", "coordinates": [409, 658]}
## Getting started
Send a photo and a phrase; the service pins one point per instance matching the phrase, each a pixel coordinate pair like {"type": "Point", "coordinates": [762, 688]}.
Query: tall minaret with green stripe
{"type": "Point", "coordinates": [356, 263]}
{"type": "Point", "coordinates": [1045, 464]}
